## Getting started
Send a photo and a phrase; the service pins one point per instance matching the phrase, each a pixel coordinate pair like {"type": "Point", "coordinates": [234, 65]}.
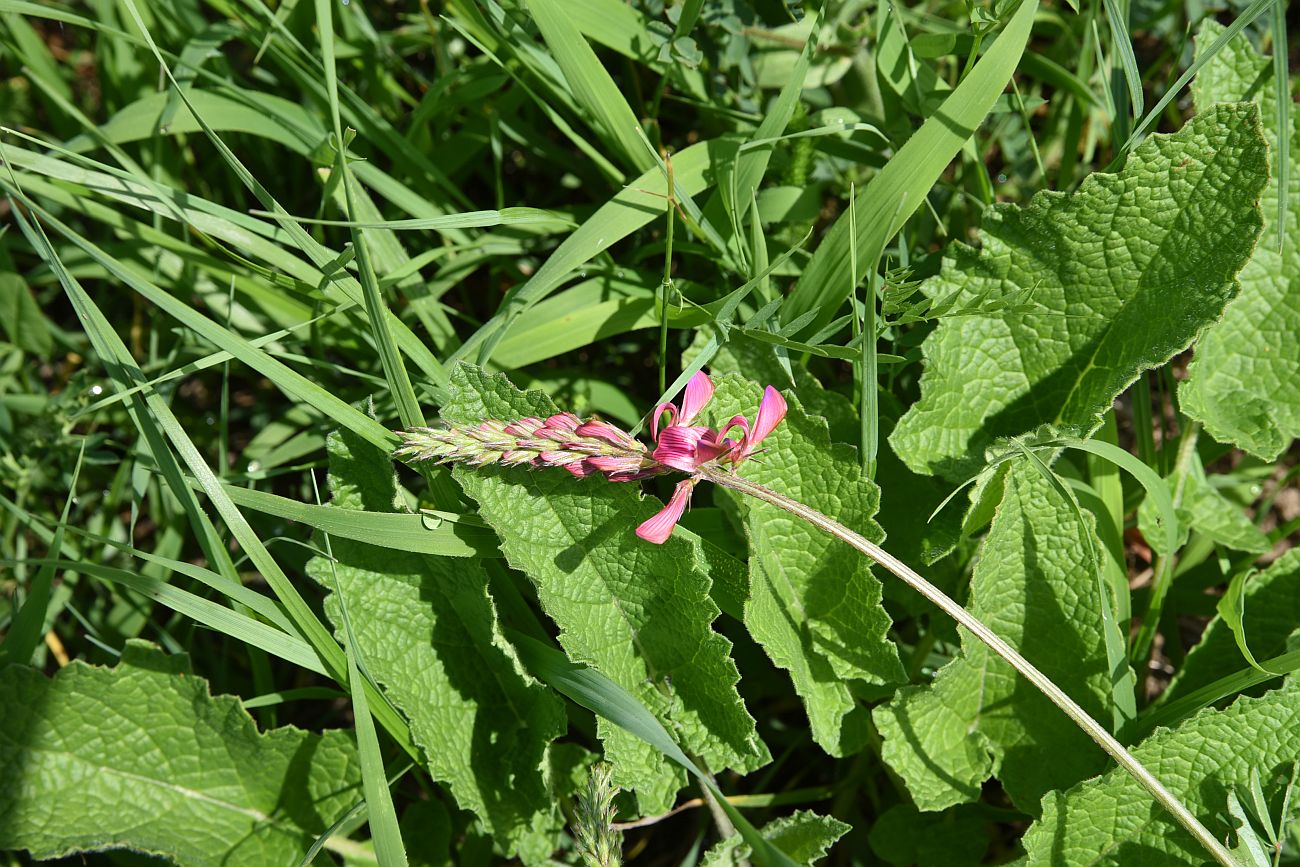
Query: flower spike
{"type": "Point", "coordinates": [596, 447]}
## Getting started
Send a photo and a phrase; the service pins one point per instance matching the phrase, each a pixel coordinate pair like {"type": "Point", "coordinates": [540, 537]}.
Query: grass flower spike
{"type": "Point", "coordinates": [596, 446]}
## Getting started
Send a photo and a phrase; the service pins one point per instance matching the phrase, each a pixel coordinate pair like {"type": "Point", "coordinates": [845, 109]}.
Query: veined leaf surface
{"type": "Point", "coordinates": [1124, 273]}
{"type": "Point", "coordinates": [428, 632]}
{"type": "Point", "coordinates": [814, 604]}
{"type": "Point", "coordinates": [141, 756]}
{"type": "Point", "coordinates": [1113, 820]}
{"type": "Point", "coordinates": [638, 613]}
{"type": "Point", "coordinates": [1036, 586]}
{"type": "Point", "coordinates": [1244, 383]}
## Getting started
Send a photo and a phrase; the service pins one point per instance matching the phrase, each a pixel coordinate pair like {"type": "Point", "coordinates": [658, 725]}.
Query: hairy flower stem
{"type": "Point", "coordinates": [1042, 682]}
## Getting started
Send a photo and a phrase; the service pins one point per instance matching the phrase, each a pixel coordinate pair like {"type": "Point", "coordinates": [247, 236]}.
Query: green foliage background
{"type": "Point", "coordinates": [1025, 273]}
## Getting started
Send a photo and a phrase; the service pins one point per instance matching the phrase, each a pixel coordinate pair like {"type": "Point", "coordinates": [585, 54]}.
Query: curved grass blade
{"type": "Point", "coordinates": [604, 697]}
{"type": "Point", "coordinates": [1249, 14]}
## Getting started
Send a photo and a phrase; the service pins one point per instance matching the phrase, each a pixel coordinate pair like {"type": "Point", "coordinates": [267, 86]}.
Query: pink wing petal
{"type": "Point", "coordinates": [660, 527]}
{"type": "Point", "coordinates": [671, 409]}
{"type": "Point", "coordinates": [771, 410]}
{"type": "Point", "coordinates": [698, 392]}
{"type": "Point", "coordinates": [736, 421]}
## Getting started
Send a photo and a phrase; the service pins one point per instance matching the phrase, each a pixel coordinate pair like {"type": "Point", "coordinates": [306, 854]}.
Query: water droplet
{"type": "Point", "coordinates": [582, 274]}
{"type": "Point", "coordinates": [619, 274]}
{"type": "Point", "coordinates": [254, 466]}
{"type": "Point", "coordinates": [96, 390]}
{"type": "Point", "coordinates": [210, 420]}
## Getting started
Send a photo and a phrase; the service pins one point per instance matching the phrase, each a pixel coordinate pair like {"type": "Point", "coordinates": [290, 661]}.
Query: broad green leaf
{"type": "Point", "coordinates": [1202, 508]}
{"type": "Point", "coordinates": [1272, 604]}
{"type": "Point", "coordinates": [813, 603]}
{"type": "Point", "coordinates": [1244, 383]}
{"type": "Point", "coordinates": [957, 837]}
{"type": "Point", "coordinates": [142, 757]}
{"type": "Point", "coordinates": [1124, 273]}
{"type": "Point", "coordinates": [638, 613]}
{"type": "Point", "coordinates": [1113, 820]}
{"type": "Point", "coordinates": [1035, 584]}
{"type": "Point", "coordinates": [804, 836]}
{"type": "Point", "coordinates": [21, 319]}
{"type": "Point", "coordinates": [429, 635]}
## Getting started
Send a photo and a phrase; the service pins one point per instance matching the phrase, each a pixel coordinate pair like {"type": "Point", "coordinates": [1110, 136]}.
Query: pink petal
{"type": "Point", "coordinates": [698, 392]}
{"type": "Point", "coordinates": [736, 421]}
{"type": "Point", "coordinates": [566, 421]}
{"type": "Point", "coordinates": [613, 464]}
{"type": "Point", "coordinates": [771, 410]}
{"type": "Point", "coordinates": [671, 409]}
{"type": "Point", "coordinates": [603, 430]}
{"type": "Point", "coordinates": [579, 469]}
{"type": "Point", "coordinates": [679, 447]}
{"type": "Point", "coordinates": [660, 527]}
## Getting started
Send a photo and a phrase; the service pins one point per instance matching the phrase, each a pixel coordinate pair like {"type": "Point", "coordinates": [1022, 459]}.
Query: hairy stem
{"type": "Point", "coordinates": [1041, 682]}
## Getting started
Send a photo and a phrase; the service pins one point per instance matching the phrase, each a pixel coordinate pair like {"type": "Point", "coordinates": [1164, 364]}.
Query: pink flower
{"type": "Point", "coordinates": [594, 446]}
{"type": "Point", "coordinates": [684, 446]}
{"type": "Point", "coordinates": [660, 527]}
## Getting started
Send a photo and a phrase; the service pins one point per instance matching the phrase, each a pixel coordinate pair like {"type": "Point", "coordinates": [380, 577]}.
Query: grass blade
{"type": "Point", "coordinates": [1282, 147]}
{"type": "Point", "coordinates": [594, 90]}
{"type": "Point", "coordinates": [25, 629]}
{"type": "Point", "coordinates": [602, 696]}
{"type": "Point", "coordinates": [891, 197]}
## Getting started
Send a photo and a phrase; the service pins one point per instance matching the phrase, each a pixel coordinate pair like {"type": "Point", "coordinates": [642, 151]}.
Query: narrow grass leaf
{"type": "Point", "coordinates": [218, 617]}
{"type": "Point", "coordinates": [609, 700]}
{"type": "Point", "coordinates": [125, 374]}
{"type": "Point", "coordinates": [636, 205]}
{"type": "Point", "coordinates": [591, 84]}
{"type": "Point", "coordinates": [900, 188]}
{"type": "Point", "coordinates": [427, 630]}
{"type": "Point", "coordinates": [24, 632]}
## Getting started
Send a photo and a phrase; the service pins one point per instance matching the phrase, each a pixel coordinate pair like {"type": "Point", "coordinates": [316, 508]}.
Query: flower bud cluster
{"type": "Point", "coordinates": [562, 440]}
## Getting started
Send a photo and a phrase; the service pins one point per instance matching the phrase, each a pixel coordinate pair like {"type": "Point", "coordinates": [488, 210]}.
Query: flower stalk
{"type": "Point", "coordinates": [949, 606]}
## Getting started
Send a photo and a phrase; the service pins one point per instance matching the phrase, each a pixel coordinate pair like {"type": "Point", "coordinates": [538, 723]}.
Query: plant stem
{"type": "Point", "coordinates": [667, 283]}
{"type": "Point", "coordinates": [1041, 682]}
